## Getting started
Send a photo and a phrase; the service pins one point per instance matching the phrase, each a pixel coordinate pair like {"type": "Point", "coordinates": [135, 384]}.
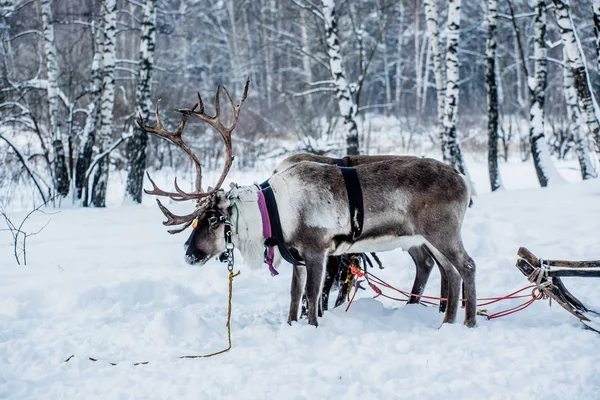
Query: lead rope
{"type": "Point", "coordinates": [226, 257]}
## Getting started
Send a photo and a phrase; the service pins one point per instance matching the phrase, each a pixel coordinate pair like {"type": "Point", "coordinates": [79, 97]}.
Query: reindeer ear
{"type": "Point", "coordinates": [233, 185]}
{"type": "Point", "coordinates": [245, 194]}
{"type": "Point", "coordinates": [209, 189]}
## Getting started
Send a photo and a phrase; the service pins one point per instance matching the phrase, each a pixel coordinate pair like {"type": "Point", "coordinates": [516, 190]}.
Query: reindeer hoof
{"type": "Point", "coordinates": [470, 323]}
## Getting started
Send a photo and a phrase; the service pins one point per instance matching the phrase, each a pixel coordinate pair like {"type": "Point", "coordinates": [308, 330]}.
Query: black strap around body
{"type": "Point", "coordinates": [340, 162]}
{"type": "Point", "coordinates": [277, 238]}
{"type": "Point", "coordinates": [355, 200]}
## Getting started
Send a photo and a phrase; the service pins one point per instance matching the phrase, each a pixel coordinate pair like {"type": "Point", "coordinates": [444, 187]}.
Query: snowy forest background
{"type": "Point", "coordinates": [332, 77]}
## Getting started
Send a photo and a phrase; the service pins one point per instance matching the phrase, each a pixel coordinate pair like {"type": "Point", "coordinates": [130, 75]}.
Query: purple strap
{"type": "Point", "coordinates": [266, 223]}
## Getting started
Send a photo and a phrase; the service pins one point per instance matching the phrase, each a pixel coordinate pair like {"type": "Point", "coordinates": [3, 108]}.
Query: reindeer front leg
{"type": "Point", "coordinates": [298, 282]}
{"type": "Point", "coordinates": [315, 272]}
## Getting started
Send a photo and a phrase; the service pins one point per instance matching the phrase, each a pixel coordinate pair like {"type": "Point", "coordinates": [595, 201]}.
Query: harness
{"type": "Point", "coordinates": [272, 231]}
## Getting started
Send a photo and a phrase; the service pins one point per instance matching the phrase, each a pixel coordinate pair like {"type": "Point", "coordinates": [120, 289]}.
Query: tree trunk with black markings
{"type": "Point", "coordinates": [597, 29]}
{"type": "Point", "coordinates": [60, 172]}
{"type": "Point", "coordinates": [107, 101]}
{"type": "Point", "coordinates": [576, 127]}
{"type": "Point", "coordinates": [433, 31]}
{"type": "Point", "coordinates": [575, 57]}
{"type": "Point", "coordinates": [86, 150]}
{"type": "Point", "coordinates": [492, 95]}
{"type": "Point", "coordinates": [346, 104]}
{"type": "Point", "coordinates": [451, 148]}
{"type": "Point", "coordinates": [537, 138]}
{"type": "Point", "coordinates": [136, 148]}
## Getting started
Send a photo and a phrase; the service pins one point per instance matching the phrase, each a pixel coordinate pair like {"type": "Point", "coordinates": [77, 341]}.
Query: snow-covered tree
{"type": "Point", "coordinates": [137, 145]}
{"type": "Point", "coordinates": [597, 29]}
{"type": "Point", "coordinates": [61, 173]}
{"type": "Point", "coordinates": [88, 138]}
{"type": "Point", "coordinates": [577, 61]}
{"type": "Point", "coordinates": [107, 100]}
{"type": "Point", "coordinates": [537, 139]}
{"type": "Point", "coordinates": [576, 125]}
{"type": "Point", "coordinates": [433, 31]}
{"type": "Point", "coordinates": [492, 95]}
{"type": "Point", "coordinates": [544, 167]}
{"type": "Point", "coordinates": [451, 148]}
{"type": "Point", "coordinates": [346, 104]}
{"type": "Point", "coordinates": [7, 7]}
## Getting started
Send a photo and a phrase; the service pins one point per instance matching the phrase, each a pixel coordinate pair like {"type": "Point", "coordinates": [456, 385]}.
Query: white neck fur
{"type": "Point", "coordinates": [248, 222]}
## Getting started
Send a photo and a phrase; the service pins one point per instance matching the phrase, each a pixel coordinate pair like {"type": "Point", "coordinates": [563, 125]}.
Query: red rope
{"type": "Point", "coordinates": [373, 281]}
{"type": "Point", "coordinates": [357, 272]}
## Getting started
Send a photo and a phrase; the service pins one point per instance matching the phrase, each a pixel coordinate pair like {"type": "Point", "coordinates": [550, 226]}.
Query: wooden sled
{"type": "Point", "coordinates": [546, 274]}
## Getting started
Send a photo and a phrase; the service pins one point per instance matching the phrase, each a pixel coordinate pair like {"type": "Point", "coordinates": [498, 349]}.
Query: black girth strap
{"type": "Point", "coordinates": [277, 238]}
{"type": "Point", "coordinates": [355, 200]}
{"type": "Point", "coordinates": [340, 162]}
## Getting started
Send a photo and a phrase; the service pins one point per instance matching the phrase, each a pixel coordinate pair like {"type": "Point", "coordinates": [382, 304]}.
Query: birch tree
{"type": "Point", "coordinates": [6, 9]}
{"type": "Point", "coordinates": [492, 95]}
{"type": "Point", "coordinates": [597, 29]}
{"type": "Point", "coordinates": [544, 167]}
{"type": "Point", "coordinates": [537, 138]}
{"type": "Point", "coordinates": [107, 100]}
{"type": "Point", "coordinates": [137, 145]}
{"type": "Point", "coordinates": [433, 31]}
{"type": "Point", "coordinates": [576, 126]}
{"type": "Point", "coordinates": [577, 62]}
{"type": "Point", "coordinates": [451, 149]}
{"type": "Point", "coordinates": [88, 139]}
{"type": "Point", "coordinates": [61, 173]}
{"type": "Point", "coordinates": [346, 104]}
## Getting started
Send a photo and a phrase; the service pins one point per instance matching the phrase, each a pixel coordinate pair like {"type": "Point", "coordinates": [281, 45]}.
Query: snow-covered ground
{"type": "Point", "coordinates": [112, 284]}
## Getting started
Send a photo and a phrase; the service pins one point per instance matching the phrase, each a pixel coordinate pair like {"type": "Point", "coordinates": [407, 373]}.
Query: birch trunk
{"type": "Point", "coordinates": [419, 54]}
{"type": "Point", "coordinates": [267, 49]}
{"type": "Point", "coordinates": [451, 149]}
{"type": "Point", "coordinates": [137, 145]}
{"type": "Point", "coordinates": [346, 103]}
{"type": "Point", "coordinates": [234, 55]}
{"type": "Point", "coordinates": [6, 8]}
{"type": "Point", "coordinates": [492, 95]}
{"type": "Point", "coordinates": [597, 29]}
{"type": "Point", "coordinates": [387, 76]}
{"type": "Point", "coordinates": [537, 139]}
{"type": "Point", "coordinates": [575, 123]}
{"type": "Point", "coordinates": [86, 148]}
{"type": "Point", "coordinates": [576, 59]}
{"type": "Point", "coordinates": [107, 101]}
{"type": "Point", "coordinates": [399, 59]}
{"type": "Point", "coordinates": [61, 173]}
{"type": "Point", "coordinates": [433, 31]}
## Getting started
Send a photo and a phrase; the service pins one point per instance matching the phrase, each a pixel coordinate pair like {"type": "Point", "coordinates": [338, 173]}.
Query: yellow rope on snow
{"type": "Point", "coordinates": [231, 276]}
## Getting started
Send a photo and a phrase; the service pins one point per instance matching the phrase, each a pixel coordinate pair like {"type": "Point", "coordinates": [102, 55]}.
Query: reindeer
{"type": "Point", "coordinates": [410, 202]}
{"type": "Point", "coordinates": [335, 266]}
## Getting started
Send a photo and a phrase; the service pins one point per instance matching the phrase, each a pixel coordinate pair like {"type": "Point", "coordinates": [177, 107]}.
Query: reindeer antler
{"type": "Point", "coordinates": [216, 123]}
{"type": "Point", "coordinates": [176, 138]}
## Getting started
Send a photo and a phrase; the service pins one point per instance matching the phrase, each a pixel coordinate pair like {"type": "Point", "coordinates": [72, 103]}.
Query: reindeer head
{"type": "Point", "coordinates": [210, 217]}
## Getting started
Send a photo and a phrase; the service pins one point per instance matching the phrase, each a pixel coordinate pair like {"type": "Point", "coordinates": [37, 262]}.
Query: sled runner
{"type": "Point", "coordinates": [546, 274]}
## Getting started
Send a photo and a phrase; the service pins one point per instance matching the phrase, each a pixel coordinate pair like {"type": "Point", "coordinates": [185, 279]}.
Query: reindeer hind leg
{"type": "Point", "coordinates": [452, 280]}
{"type": "Point", "coordinates": [424, 264]}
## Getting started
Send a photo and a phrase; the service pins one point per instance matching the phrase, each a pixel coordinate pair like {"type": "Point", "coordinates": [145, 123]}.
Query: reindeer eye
{"type": "Point", "coordinates": [213, 220]}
